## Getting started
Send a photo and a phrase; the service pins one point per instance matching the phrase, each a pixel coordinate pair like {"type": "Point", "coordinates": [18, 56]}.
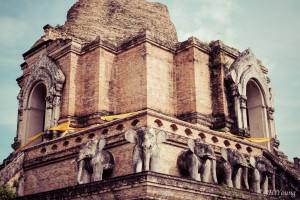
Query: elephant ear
{"type": "Point", "coordinates": [224, 154]}
{"type": "Point", "coordinates": [252, 161]}
{"type": "Point", "coordinates": [101, 144]}
{"type": "Point", "coordinates": [130, 136]}
{"type": "Point", "coordinates": [161, 137]}
{"type": "Point", "coordinates": [191, 144]}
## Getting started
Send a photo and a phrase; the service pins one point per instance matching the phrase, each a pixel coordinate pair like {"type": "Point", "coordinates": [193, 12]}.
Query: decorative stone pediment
{"type": "Point", "coordinates": [244, 68]}
{"type": "Point", "coordinates": [47, 71]}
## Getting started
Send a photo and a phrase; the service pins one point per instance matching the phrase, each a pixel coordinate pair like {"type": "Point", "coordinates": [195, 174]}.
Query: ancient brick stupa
{"type": "Point", "coordinates": [117, 108]}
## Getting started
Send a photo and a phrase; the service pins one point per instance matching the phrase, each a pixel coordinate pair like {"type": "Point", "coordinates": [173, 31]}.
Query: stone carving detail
{"type": "Point", "coordinates": [244, 69]}
{"type": "Point", "coordinates": [199, 161]}
{"type": "Point", "coordinates": [233, 169]}
{"type": "Point", "coordinates": [92, 159]}
{"type": "Point", "coordinates": [262, 169]}
{"type": "Point", "coordinates": [47, 72]}
{"type": "Point", "coordinates": [146, 155]}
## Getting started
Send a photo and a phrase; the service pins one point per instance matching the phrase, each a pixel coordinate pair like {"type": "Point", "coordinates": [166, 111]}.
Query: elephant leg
{"type": "Point", "coordinates": [273, 182]}
{"type": "Point", "coordinates": [137, 166]}
{"type": "Point", "coordinates": [137, 161]}
{"type": "Point", "coordinates": [228, 174]}
{"type": "Point", "coordinates": [214, 171]}
{"type": "Point", "coordinates": [155, 163]}
{"type": "Point", "coordinates": [98, 172]}
{"type": "Point", "coordinates": [86, 178]}
{"type": "Point", "coordinates": [256, 181]}
{"type": "Point", "coordinates": [81, 166]}
{"type": "Point", "coordinates": [245, 177]}
{"type": "Point", "coordinates": [237, 178]}
{"type": "Point", "coordinates": [82, 171]}
{"type": "Point", "coordinates": [265, 185]}
{"type": "Point", "coordinates": [194, 168]}
{"type": "Point", "coordinates": [206, 170]}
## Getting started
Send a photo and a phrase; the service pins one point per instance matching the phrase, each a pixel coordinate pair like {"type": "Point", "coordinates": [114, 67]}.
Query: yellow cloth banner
{"type": "Point", "coordinates": [112, 117]}
{"type": "Point", "coordinates": [36, 137]}
{"type": "Point", "coordinates": [64, 127]}
{"type": "Point", "coordinates": [257, 140]}
{"type": "Point", "coordinates": [61, 127]}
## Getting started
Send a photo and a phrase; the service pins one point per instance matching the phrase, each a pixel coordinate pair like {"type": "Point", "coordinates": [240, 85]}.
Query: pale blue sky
{"type": "Point", "coordinates": [270, 27]}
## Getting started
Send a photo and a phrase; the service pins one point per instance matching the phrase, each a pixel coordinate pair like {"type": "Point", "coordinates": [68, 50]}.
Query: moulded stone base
{"type": "Point", "coordinates": [147, 185]}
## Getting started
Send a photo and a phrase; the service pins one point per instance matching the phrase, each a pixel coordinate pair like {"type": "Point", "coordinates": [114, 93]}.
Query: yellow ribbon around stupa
{"type": "Point", "coordinates": [257, 140]}
{"type": "Point", "coordinates": [112, 117]}
{"type": "Point", "coordinates": [61, 127]}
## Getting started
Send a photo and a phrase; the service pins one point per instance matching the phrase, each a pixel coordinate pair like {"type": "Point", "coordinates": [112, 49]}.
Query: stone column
{"type": "Point", "coordinates": [48, 112]}
{"type": "Point", "coordinates": [237, 105]}
{"type": "Point", "coordinates": [243, 101]}
{"type": "Point", "coordinates": [56, 110]}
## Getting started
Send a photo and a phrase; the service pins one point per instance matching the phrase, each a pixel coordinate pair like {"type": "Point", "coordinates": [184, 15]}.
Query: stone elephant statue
{"type": "Point", "coordinates": [199, 161]}
{"type": "Point", "coordinates": [232, 169]}
{"type": "Point", "coordinates": [262, 169]}
{"type": "Point", "coordinates": [146, 155]}
{"type": "Point", "coordinates": [92, 159]}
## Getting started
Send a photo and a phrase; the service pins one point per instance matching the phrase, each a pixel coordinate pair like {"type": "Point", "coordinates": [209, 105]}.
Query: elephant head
{"type": "Point", "coordinates": [199, 161]}
{"type": "Point", "coordinates": [263, 168]}
{"type": "Point", "coordinates": [92, 159]}
{"type": "Point", "coordinates": [236, 168]}
{"type": "Point", "coordinates": [146, 152]}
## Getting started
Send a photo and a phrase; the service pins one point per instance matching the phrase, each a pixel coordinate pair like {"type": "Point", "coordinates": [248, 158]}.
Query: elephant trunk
{"type": "Point", "coordinates": [80, 167]}
{"type": "Point", "coordinates": [273, 181]}
{"type": "Point", "coordinates": [245, 177]}
{"type": "Point", "coordinates": [146, 160]}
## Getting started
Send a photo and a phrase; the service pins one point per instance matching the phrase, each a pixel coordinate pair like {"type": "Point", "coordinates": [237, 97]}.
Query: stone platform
{"type": "Point", "coordinates": [147, 185]}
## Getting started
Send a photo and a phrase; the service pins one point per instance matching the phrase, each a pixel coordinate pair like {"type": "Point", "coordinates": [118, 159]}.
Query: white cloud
{"type": "Point", "coordinates": [219, 11]}
{"type": "Point", "coordinates": [212, 21]}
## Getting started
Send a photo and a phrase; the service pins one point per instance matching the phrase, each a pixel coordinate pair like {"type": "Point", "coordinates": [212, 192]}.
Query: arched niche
{"type": "Point", "coordinates": [43, 86]}
{"type": "Point", "coordinates": [253, 99]}
{"type": "Point", "coordinates": [256, 112]}
{"type": "Point", "coordinates": [36, 109]}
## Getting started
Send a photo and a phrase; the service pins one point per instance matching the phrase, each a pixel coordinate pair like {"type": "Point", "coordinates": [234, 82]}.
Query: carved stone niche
{"type": "Point", "coordinates": [47, 74]}
{"type": "Point", "coordinates": [250, 89]}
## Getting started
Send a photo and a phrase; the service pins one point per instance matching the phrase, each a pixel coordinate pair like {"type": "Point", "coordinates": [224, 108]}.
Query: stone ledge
{"type": "Point", "coordinates": [146, 185]}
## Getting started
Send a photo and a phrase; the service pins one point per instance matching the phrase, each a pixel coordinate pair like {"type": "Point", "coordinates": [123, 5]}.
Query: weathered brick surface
{"type": "Point", "coordinates": [118, 20]}
{"type": "Point", "coordinates": [185, 82]}
{"type": "Point", "coordinates": [87, 81]}
{"type": "Point", "coordinates": [202, 82]}
{"type": "Point", "coordinates": [161, 80]}
{"type": "Point", "coordinates": [50, 177]}
{"type": "Point", "coordinates": [130, 80]}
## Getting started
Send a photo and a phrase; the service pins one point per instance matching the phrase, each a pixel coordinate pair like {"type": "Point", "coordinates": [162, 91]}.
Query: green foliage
{"type": "Point", "coordinates": [58, 26]}
{"type": "Point", "coordinates": [6, 193]}
{"type": "Point", "coordinates": [216, 73]}
{"type": "Point", "coordinates": [233, 192]}
{"type": "Point", "coordinates": [220, 130]}
{"type": "Point", "coordinates": [207, 43]}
